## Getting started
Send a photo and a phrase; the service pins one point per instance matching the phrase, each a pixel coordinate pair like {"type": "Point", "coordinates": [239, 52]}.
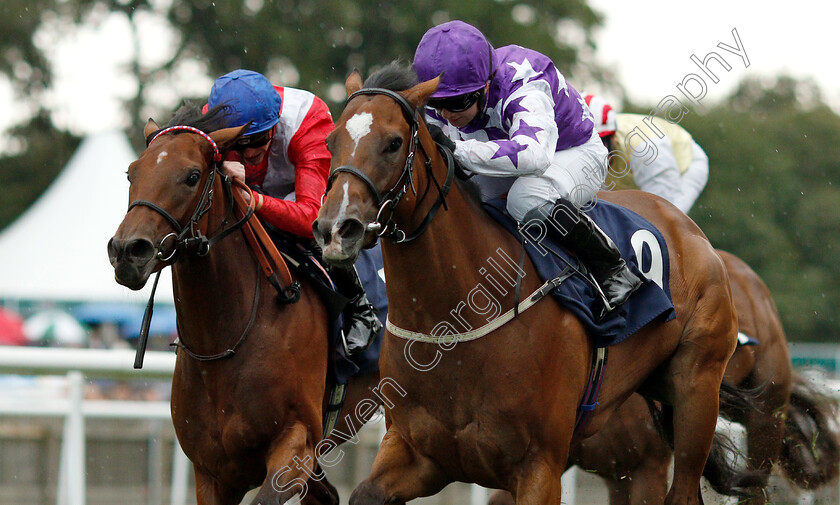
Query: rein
{"type": "Point", "coordinates": [389, 201]}
{"type": "Point", "coordinates": [188, 238]}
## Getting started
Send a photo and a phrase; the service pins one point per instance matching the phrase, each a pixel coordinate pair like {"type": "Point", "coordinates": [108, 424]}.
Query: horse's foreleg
{"type": "Point", "coordinates": [321, 492]}
{"type": "Point", "coordinates": [538, 483]}
{"type": "Point", "coordinates": [399, 474]}
{"type": "Point", "coordinates": [290, 465]}
{"type": "Point", "coordinates": [209, 491]}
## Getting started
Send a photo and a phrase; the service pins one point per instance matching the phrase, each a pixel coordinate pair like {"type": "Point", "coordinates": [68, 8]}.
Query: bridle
{"type": "Point", "coordinates": [189, 237]}
{"type": "Point", "coordinates": [388, 202]}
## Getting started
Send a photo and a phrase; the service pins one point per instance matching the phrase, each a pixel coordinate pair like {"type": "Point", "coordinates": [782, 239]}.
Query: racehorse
{"type": "Point", "coordinates": [791, 425]}
{"type": "Point", "coordinates": [500, 411]}
{"type": "Point", "coordinates": [248, 391]}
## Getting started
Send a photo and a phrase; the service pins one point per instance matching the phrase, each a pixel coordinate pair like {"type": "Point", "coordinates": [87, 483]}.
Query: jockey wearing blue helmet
{"type": "Point", "coordinates": [283, 157]}
{"type": "Point", "coordinates": [250, 97]}
{"type": "Point", "coordinates": [513, 120]}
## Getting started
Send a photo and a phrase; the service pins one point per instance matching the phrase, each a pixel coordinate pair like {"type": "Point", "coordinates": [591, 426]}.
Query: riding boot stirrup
{"type": "Point", "coordinates": [577, 232]}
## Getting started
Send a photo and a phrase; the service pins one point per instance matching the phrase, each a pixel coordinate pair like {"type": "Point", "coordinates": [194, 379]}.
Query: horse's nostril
{"type": "Point", "coordinates": [351, 230]}
{"type": "Point", "coordinates": [113, 250]}
{"type": "Point", "coordinates": [140, 250]}
{"type": "Point", "coordinates": [321, 231]}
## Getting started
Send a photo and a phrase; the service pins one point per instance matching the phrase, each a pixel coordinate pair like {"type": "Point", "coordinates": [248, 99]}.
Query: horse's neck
{"type": "Point", "coordinates": [215, 290]}
{"type": "Point", "coordinates": [461, 252]}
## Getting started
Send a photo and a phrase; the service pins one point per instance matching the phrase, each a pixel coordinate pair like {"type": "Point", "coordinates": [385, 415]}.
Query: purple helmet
{"type": "Point", "coordinates": [461, 52]}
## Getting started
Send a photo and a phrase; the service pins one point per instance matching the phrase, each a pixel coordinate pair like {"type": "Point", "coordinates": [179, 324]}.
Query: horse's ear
{"type": "Point", "coordinates": [225, 137]}
{"type": "Point", "coordinates": [353, 82]}
{"type": "Point", "coordinates": [150, 128]}
{"type": "Point", "coordinates": [418, 95]}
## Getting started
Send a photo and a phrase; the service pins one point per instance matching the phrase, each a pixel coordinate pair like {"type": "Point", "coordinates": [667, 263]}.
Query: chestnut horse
{"type": "Point", "coordinates": [791, 425]}
{"type": "Point", "coordinates": [248, 391]}
{"type": "Point", "coordinates": [500, 410]}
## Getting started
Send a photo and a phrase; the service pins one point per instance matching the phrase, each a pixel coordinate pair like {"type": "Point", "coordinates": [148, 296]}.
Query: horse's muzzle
{"type": "Point", "coordinates": [132, 261]}
{"type": "Point", "coordinates": [341, 241]}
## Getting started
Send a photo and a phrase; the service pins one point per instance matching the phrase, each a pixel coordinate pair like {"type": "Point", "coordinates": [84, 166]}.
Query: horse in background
{"type": "Point", "coordinates": [500, 411]}
{"type": "Point", "coordinates": [790, 426]}
{"type": "Point", "coordinates": [248, 391]}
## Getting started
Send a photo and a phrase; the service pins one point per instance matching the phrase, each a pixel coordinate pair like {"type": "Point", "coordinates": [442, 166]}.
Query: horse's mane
{"type": "Point", "coordinates": [394, 76]}
{"type": "Point", "coordinates": [190, 114]}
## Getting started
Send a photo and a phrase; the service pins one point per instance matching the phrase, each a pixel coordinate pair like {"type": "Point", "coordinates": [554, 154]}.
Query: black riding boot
{"type": "Point", "coordinates": [578, 233]}
{"type": "Point", "coordinates": [364, 325]}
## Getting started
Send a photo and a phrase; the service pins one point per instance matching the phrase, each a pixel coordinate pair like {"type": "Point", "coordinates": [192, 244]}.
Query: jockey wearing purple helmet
{"type": "Point", "coordinates": [510, 118]}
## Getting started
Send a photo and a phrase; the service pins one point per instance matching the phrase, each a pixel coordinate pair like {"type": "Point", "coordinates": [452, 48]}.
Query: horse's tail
{"type": "Point", "coordinates": [721, 470]}
{"type": "Point", "coordinates": [811, 446]}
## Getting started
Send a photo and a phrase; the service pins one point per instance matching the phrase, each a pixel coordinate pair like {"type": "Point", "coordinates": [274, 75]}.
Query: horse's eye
{"type": "Point", "coordinates": [395, 145]}
{"type": "Point", "coordinates": [193, 178]}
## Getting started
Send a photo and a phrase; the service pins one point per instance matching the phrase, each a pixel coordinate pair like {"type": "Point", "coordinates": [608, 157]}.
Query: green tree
{"type": "Point", "coordinates": [773, 195]}
{"type": "Point", "coordinates": [312, 44]}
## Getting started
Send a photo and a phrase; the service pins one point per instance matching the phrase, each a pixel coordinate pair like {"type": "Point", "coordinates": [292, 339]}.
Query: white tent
{"type": "Point", "coordinates": [57, 249]}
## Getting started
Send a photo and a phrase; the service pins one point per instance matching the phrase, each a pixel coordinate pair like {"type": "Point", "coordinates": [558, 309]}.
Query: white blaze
{"type": "Point", "coordinates": [358, 126]}
{"type": "Point", "coordinates": [345, 201]}
{"type": "Point", "coordinates": [162, 156]}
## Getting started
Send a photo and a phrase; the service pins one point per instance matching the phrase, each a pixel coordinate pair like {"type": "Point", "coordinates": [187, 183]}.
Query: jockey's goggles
{"type": "Point", "coordinates": [253, 141]}
{"type": "Point", "coordinates": [457, 103]}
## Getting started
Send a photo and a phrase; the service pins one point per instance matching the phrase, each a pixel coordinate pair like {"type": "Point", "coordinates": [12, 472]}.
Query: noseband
{"type": "Point", "coordinates": [391, 198]}
{"type": "Point", "coordinates": [189, 237]}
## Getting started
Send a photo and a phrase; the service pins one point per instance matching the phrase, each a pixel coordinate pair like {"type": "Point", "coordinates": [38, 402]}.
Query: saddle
{"type": "Point", "coordinates": [641, 245]}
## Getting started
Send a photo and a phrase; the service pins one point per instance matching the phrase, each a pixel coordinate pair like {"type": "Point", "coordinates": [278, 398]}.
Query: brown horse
{"type": "Point", "coordinates": [633, 459]}
{"type": "Point", "coordinates": [248, 391]}
{"type": "Point", "coordinates": [500, 411]}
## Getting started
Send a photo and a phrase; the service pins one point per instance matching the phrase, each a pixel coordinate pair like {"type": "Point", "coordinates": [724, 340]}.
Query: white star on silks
{"type": "Point", "coordinates": [561, 86]}
{"type": "Point", "coordinates": [524, 70]}
{"type": "Point", "coordinates": [587, 114]}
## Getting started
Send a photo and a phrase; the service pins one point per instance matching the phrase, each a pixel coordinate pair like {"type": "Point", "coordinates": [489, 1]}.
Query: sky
{"type": "Point", "coordinates": [648, 45]}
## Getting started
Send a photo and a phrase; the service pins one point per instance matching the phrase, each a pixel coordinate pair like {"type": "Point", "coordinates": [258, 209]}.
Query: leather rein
{"type": "Point", "coordinates": [189, 239]}
{"type": "Point", "coordinates": [389, 201]}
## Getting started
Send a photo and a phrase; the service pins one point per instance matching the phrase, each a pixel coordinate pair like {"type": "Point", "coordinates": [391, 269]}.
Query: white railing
{"type": "Point", "coordinates": [77, 365]}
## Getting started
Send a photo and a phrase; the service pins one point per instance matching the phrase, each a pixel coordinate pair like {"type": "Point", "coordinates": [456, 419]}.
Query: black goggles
{"type": "Point", "coordinates": [458, 103]}
{"type": "Point", "coordinates": [253, 141]}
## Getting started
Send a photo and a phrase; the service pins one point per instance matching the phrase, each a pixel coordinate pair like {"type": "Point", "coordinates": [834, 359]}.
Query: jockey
{"type": "Point", "coordinates": [512, 120]}
{"type": "Point", "coordinates": [283, 158]}
{"type": "Point", "coordinates": [662, 156]}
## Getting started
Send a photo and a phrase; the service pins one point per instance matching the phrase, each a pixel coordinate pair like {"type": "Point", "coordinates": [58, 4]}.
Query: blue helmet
{"type": "Point", "coordinates": [250, 97]}
{"type": "Point", "coordinates": [459, 50]}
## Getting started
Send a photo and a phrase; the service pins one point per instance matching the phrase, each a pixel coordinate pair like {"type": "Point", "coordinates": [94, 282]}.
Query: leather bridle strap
{"type": "Point", "coordinates": [442, 192]}
{"type": "Point", "coordinates": [393, 196]}
{"type": "Point", "coordinates": [272, 264]}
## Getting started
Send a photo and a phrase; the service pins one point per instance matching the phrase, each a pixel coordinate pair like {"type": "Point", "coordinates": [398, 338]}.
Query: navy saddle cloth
{"type": "Point", "coordinates": [368, 266]}
{"type": "Point", "coordinates": [642, 247]}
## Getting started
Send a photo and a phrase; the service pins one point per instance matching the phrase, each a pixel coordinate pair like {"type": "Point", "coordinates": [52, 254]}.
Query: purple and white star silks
{"type": "Point", "coordinates": [509, 148]}
{"type": "Point", "coordinates": [527, 130]}
{"type": "Point", "coordinates": [515, 106]}
{"type": "Point", "coordinates": [524, 70]}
